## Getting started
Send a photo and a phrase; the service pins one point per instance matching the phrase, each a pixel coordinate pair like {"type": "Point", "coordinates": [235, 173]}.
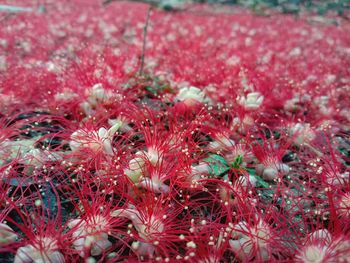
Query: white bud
{"type": "Point", "coordinates": [191, 93]}
{"type": "Point", "coordinates": [252, 101]}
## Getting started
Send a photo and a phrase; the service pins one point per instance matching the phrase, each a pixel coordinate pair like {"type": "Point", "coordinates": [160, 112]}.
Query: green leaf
{"type": "Point", "coordinates": [237, 163]}
{"type": "Point", "coordinates": [151, 90]}
{"type": "Point", "coordinates": [217, 164]}
{"type": "Point", "coordinates": [260, 182]}
{"type": "Point", "coordinates": [251, 171]}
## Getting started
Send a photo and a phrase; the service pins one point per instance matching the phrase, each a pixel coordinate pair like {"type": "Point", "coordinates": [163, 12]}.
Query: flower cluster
{"type": "Point", "coordinates": [231, 146]}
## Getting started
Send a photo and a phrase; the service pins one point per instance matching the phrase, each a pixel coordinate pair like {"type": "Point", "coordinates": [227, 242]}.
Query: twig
{"type": "Point", "coordinates": [144, 40]}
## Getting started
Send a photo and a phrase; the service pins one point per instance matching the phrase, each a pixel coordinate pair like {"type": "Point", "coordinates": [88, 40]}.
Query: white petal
{"type": "Point", "coordinates": [246, 181]}
{"type": "Point", "coordinates": [155, 186]}
{"type": "Point", "coordinates": [242, 248]}
{"type": "Point", "coordinates": [145, 249]}
{"type": "Point", "coordinates": [270, 173]}
{"type": "Point", "coordinates": [116, 125]}
{"type": "Point", "coordinates": [102, 133]}
{"type": "Point", "coordinates": [7, 235]}
{"type": "Point", "coordinates": [100, 246]}
{"type": "Point", "coordinates": [74, 223]}
{"type": "Point", "coordinates": [201, 168]}
{"type": "Point", "coordinates": [240, 229]}
{"type": "Point", "coordinates": [57, 257]}
{"type": "Point", "coordinates": [321, 235]}
{"type": "Point", "coordinates": [98, 92]}
{"type": "Point", "coordinates": [283, 168]}
{"type": "Point", "coordinates": [107, 145]}
{"type": "Point", "coordinates": [24, 254]}
{"type": "Point", "coordinates": [79, 243]}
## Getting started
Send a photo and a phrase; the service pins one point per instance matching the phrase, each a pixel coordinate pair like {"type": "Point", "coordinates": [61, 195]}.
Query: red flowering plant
{"type": "Point", "coordinates": [8, 236]}
{"type": "Point", "coordinates": [155, 136]}
{"type": "Point", "coordinates": [43, 237]}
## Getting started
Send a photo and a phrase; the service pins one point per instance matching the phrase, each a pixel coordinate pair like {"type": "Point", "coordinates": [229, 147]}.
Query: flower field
{"type": "Point", "coordinates": [198, 133]}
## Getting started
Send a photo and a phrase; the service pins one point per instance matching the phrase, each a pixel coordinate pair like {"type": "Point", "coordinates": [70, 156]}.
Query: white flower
{"type": "Point", "coordinates": [142, 248]}
{"type": "Point", "coordinates": [89, 234]}
{"type": "Point", "coordinates": [292, 104]}
{"type": "Point", "coordinates": [243, 124]}
{"type": "Point", "coordinates": [313, 254]}
{"type": "Point", "coordinates": [136, 168]}
{"type": "Point", "coordinates": [270, 173]}
{"type": "Point", "coordinates": [38, 158]}
{"type": "Point", "coordinates": [196, 174]}
{"type": "Point", "coordinates": [148, 226]}
{"type": "Point", "coordinates": [43, 250]}
{"type": "Point", "coordinates": [240, 187]}
{"type": "Point", "coordinates": [7, 235]}
{"type": "Point", "coordinates": [155, 183]}
{"type": "Point", "coordinates": [249, 241]}
{"type": "Point", "coordinates": [154, 156]}
{"type": "Point", "coordinates": [25, 153]}
{"type": "Point", "coordinates": [322, 102]}
{"type": "Point", "coordinates": [320, 236]}
{"type": "Point", "coordinates": [344, 205]}
{"type": "Point", "coordinates": [316, 248]}
{"type": "Point", "coordinates": [271, 168]}
{"type": "Point", "coordinates": [191, 92]}
{"type": "Point", "coordinates": [320, 246]}
{"type": "Point", "coordinates": [246, 181]}
{"type": "Point", "coordinates": [97, 141]}
{"type": "Point", "coordinates": [336, 178]}
{"type": "Point", "coordinates": [221, 142]}
{"type": "Point", "coordinates": [252, 101]}
{"type": "Point", "coordinates": [304, 133]}
{"type": "Point", "coordinates": [118, 124]}
{"type": "Point", "coordinates": [98, 95]}
{"type": "Point", "coordinates": [10, 150]}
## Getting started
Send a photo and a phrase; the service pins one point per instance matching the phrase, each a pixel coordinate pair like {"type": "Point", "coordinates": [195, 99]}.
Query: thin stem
{"type": "Point", "coordinates": [144, 40]}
